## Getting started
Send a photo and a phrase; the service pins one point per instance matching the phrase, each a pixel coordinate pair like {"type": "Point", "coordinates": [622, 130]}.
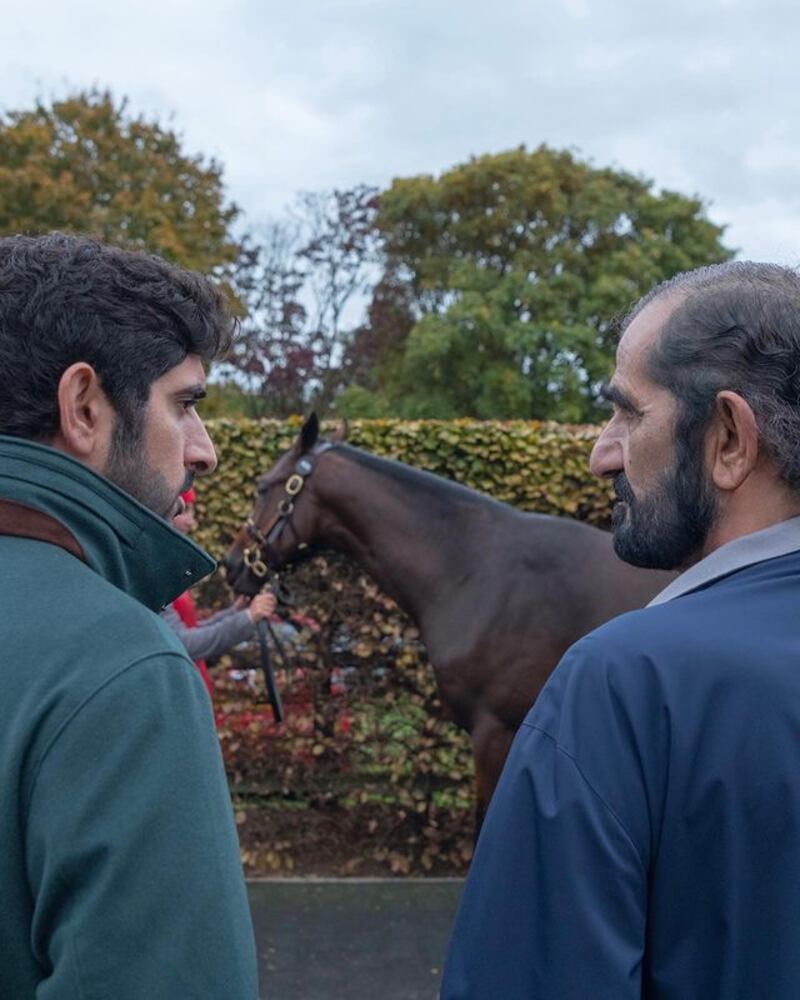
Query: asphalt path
{"type": "Point", "coordinates": [353, 939]}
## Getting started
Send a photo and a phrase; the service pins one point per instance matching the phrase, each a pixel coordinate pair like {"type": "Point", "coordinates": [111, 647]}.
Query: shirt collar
{"type": "Point", "coordinates": [769, 543]}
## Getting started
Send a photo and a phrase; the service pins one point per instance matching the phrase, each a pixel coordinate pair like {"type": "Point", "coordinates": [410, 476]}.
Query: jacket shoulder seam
{"type": "Point", "coordinates": [608, 808]}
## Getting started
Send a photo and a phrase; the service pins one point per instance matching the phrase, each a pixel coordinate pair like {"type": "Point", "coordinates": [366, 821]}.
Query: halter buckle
{"type": "Point", "coordinates": [256, 565]}
{"type": "Point", "coordinates": [294, 484]}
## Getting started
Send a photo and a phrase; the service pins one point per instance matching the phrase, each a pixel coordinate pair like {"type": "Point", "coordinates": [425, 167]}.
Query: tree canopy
{"type": "Point", "coordinates": [83, 164]}
{"type": "Point", "coordinates": [506, 274]}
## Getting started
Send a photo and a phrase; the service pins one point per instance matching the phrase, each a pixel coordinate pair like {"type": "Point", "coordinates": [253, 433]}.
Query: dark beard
{"type": "Point", "coordinates": [127, 469]}
{"type": "Point", "coordinates": [667, 527]}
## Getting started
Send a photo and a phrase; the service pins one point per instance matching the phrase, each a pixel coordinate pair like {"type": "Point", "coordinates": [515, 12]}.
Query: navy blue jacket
{"type": "Point", "coordinates": [644, 839]}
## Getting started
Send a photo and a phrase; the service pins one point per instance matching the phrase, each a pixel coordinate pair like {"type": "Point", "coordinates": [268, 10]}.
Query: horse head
{"type": "Point", "coordinates": [280, 528]}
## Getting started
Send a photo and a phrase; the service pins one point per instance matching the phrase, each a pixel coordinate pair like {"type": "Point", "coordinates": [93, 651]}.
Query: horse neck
{"type": "Point", "coordinates": [384, 523]}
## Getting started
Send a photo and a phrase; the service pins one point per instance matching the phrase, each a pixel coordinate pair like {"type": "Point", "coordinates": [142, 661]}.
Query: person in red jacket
{"type": "Point", "coordinates": [204, 638]}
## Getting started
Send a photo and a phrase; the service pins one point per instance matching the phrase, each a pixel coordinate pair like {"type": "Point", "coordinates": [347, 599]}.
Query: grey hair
{"type": "Point", "coordinates": [735, 326]}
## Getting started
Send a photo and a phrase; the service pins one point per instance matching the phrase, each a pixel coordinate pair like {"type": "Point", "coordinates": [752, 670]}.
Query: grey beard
{"type": "Point", "coordinates": [668, 527]}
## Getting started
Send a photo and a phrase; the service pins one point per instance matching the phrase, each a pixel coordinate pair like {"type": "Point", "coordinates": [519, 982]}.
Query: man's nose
{"type": "Point", "coordinates": [606, 458]}
{"type": "Point", "coordinates": [200, 453]}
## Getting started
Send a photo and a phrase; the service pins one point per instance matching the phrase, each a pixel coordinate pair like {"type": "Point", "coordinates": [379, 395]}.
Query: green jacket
{"type": "Point", "coordinates": [119, 862]}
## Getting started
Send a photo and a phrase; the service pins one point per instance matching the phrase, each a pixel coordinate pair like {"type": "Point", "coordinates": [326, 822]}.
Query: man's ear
{"type": "Point", "coordinates": [732, 441]}
{"type": "Point", "coordinates": [86, 417]}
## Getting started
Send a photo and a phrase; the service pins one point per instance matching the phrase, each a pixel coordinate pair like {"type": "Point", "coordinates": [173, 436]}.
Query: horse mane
{"type": "Point", "coordinates": [443, 491]}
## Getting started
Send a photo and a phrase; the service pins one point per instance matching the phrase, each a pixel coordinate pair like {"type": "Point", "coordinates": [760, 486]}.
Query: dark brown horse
{"type": "Point", "coordinates": [498, 595]}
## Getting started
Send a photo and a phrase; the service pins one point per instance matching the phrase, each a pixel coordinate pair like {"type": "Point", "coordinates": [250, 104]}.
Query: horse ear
{"type": "Point", "coordinates": [309, 433]}
{"type": "Point", "coordinates": [341, 432]}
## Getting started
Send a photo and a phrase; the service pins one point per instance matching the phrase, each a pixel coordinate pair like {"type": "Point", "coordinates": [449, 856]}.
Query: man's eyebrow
{"type": "Point", "coordinates": [613, 394]}
{"type": "Point", "coordinates": [198, 391]}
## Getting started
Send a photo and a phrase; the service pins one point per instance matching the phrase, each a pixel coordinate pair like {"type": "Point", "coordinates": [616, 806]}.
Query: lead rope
{"type": "Point", "coordinates": [263, 629]}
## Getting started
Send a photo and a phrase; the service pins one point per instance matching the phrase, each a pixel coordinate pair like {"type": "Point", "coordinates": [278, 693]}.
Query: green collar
{"type": "Point", "coordinates": [124, 542]}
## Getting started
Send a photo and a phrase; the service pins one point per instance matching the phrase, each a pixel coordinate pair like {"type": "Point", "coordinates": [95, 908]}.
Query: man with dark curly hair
{"type": "Point", "coordinates": [119, 862]}
{"type": "Point", "coordinates": [644, 839]}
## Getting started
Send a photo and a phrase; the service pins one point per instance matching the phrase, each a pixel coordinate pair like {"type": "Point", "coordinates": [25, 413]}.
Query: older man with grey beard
{"type": "Point", "coordinates": [644, 840]}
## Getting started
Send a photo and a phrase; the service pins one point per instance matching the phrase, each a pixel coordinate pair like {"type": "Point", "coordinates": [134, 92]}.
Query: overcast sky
{"type": "Point", "coordinates": [699, 95]}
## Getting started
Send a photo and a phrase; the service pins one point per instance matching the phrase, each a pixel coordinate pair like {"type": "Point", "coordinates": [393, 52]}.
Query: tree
{"type": "Point", "coordinates": [83, 164]}
{"type": "Point", "coordinates": [340, 252]}
{"type": "Point", "coordinates": [513, 268]}
{"type": "Point", "coordinates": [298, 280]}
{"type": "Point", "coordinates": [274, 353]}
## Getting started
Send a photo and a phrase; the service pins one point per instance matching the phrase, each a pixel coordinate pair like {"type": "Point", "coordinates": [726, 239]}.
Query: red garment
{"type": "Point", "coordinates": [187, 611]}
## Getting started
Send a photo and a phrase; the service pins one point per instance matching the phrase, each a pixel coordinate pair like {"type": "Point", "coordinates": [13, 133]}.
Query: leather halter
{"type": "Point", "coordinates": [257, 558]}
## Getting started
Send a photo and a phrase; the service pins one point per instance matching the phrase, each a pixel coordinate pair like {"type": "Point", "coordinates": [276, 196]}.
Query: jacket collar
{"type": "Point", "coordinates": [123, 541]}
{"type": "Point", "coordinates": [769, 543]}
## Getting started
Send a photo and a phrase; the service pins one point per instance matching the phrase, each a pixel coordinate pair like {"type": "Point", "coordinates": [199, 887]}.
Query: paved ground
{"type": "Point", "coordinates": [352, 939]}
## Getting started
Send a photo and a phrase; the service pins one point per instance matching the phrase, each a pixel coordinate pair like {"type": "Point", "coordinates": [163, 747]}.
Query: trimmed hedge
{"type": "Point", "coordinates": [366, 760]}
